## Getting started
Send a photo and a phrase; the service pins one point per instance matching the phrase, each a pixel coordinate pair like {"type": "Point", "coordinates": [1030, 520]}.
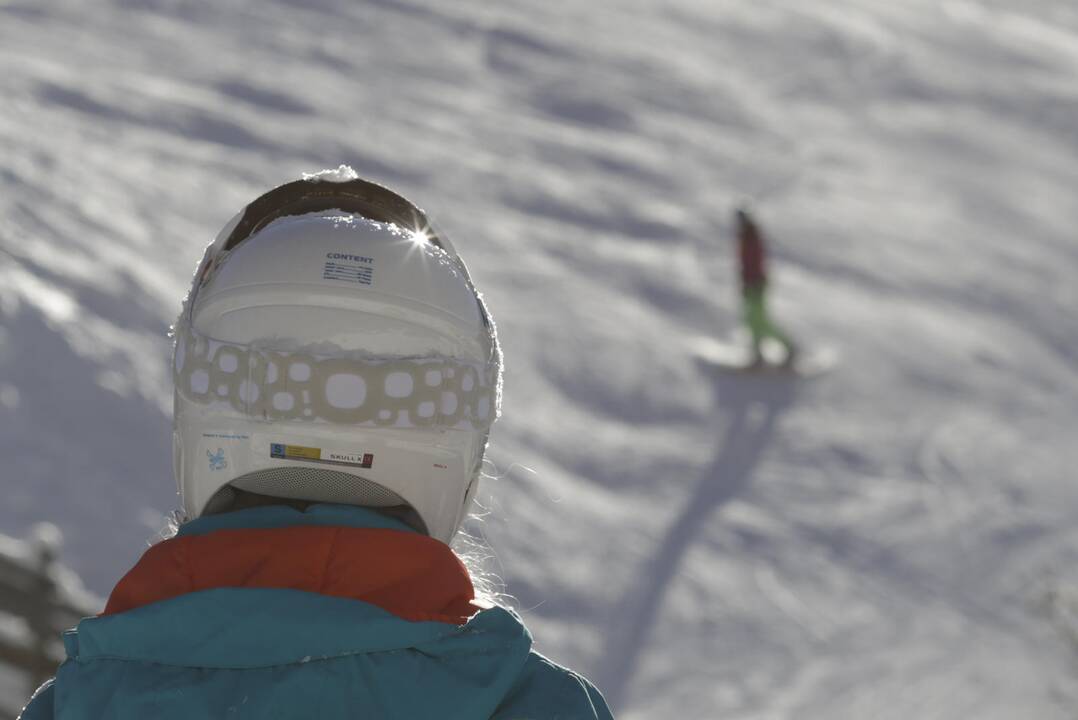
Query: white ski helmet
{"type": "Point", "coordinates": [333, 348]}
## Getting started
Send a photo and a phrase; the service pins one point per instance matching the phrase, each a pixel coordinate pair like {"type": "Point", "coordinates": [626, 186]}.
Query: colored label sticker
{"type": "Point", "coordinates": [282, 451]}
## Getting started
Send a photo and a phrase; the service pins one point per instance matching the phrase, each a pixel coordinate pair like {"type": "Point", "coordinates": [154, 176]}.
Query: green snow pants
{"type": "Point", "coordinates": [759, 322]}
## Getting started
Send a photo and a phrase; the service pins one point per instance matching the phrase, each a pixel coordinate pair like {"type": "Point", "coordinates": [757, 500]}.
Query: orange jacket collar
{"type": "Point", "coordinates": [409, 575]}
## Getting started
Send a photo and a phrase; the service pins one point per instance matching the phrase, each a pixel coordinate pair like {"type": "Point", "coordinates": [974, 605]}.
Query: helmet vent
{"type": "Point", "coordinates": [301, 483]}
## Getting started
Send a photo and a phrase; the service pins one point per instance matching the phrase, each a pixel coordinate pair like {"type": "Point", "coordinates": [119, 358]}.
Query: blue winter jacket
{"type": "Point", "coordinates": [262, 653]}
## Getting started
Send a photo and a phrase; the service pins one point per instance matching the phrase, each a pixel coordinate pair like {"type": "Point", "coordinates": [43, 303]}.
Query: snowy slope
{"type": "Point", "coordinates": [895, 539]}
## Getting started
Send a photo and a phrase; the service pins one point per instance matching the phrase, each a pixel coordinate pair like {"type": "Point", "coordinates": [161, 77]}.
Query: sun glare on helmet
{"type": "Point", "coordinates": [419, 237]}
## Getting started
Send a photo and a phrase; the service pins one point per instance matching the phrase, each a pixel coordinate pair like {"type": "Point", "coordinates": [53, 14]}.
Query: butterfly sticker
{"type": "Point", "coordinates": [217, 460]}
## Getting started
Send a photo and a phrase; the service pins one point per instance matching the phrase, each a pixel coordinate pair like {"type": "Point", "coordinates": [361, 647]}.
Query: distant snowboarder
{"type": "Point", "coordinates": [753, 256]}
{"type": "Point", "coordinates": [755, 357]}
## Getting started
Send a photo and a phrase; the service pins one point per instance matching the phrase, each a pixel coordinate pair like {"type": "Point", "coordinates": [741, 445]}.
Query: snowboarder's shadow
{"type": "Point", "coordinates": [747, 410]}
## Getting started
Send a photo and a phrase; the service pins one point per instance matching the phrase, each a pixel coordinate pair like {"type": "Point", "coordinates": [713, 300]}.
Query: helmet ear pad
{"type": "Point", "coordinates": [356, 305]}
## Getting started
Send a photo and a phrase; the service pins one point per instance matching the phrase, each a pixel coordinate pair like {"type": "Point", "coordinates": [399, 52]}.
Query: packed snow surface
{"type": "Point", "coordinates": [893, 539]}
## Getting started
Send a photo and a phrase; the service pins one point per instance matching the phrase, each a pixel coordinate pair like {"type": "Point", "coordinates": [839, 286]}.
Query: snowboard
{"type": "Point", "coordinates": [736, 358]}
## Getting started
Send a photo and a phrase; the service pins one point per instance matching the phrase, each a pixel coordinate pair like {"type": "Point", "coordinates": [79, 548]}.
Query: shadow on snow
{"type": "Point", "coordinates": [750, 407]}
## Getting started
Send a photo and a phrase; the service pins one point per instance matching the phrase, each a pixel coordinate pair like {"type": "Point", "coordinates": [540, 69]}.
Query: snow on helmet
{"type": "Point", "coordinates": [333, 348]}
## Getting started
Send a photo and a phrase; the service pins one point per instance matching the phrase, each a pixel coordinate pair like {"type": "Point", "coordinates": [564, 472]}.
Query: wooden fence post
{"type": "Point", "coordinates": [47, 597]}
{"type": "Point", "coordinates": [47, 540]}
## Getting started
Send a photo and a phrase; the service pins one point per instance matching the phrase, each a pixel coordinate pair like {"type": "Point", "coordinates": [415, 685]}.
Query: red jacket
{"type": "Point", "coordinates": [751, 246]}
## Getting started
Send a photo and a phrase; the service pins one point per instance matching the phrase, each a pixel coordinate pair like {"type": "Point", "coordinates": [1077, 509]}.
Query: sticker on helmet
{"type": "Point", "coordinates": [348, 268]}
{"type": "Point", "coordinates": [217, 459]}
{"type": "Point", "coordinates": [281, 451]}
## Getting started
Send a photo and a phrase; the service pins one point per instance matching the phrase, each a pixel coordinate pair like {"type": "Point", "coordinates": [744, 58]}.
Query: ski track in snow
{"type": "Point", "coordinates": [894, 539]}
